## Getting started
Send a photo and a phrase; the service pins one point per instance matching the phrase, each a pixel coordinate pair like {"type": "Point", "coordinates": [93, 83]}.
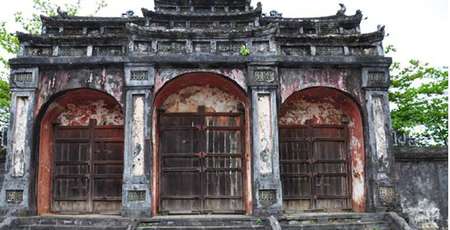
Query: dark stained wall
{"type": "Point", "coordinates": [422, 183]}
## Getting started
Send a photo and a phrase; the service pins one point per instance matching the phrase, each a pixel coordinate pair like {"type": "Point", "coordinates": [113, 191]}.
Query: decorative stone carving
{"type": "Point", "coordinates": [229, 47]}
{"type": "Point", "coordinates": [23, 77]}
{"type": "Point", "coordinates": [139, 75]}
{"type": "Point", "coordinates": [38, 50]}
{"type": "Point", "coordinates": [387, 195]}
{"type": "Point", "coordinates": [72, 51]}
{"type": "Point", "coordinates": [267, 76]}
{"type": "Point", "coordinates": [143, 46]}
{"type": "Point", "coordinates": [107, 51]}
{"type": "Point", "coordinates": [296, 50]}
{"type": "Point", "coordinates": [267, 197]}
{"type": "Point", "coordinates": [14, 196]}
{"type": "Point", "coordinates": [176, 47]}
{"type": "Point", "coordinates": [201, 46]}
{"type": "Point", "coordinates": [329, 50]}
{"type": "Point", "coordinates": [375, 77]}
{"type": "Point", "coordinates": [261, 46]}
{"type": "Point", "coordinates": [364, 51]}
{"type": "Point", "coordinates": [136, 196]}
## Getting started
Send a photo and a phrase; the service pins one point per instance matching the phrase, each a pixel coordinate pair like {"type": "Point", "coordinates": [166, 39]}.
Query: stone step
{"type": "Point", "coordinates": [58, 220]}
{"type": "Point", "coordinates": [67, 227]}
{"type": "Point", "coordinates": [68, 223]}
{"type": "Point", "coordinates": [340, 226]}
{"type": "Point", "coordinates": [240, 227]}
{"type": "Point", "coordinates": [210, 223]}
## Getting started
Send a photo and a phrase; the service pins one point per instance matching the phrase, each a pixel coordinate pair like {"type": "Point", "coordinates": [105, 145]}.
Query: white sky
{"type": "Point", "coordinates": [417, 28]}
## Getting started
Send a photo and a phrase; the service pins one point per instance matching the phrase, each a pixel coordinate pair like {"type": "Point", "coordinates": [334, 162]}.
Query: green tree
{"type": "Point", "coordinates": [9, 43]}
{"type": "Point", "coordinates": [419, 97]}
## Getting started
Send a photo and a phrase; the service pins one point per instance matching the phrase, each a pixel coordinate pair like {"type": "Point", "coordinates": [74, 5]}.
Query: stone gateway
{"type": "Point", "coordinates": [165, 114]}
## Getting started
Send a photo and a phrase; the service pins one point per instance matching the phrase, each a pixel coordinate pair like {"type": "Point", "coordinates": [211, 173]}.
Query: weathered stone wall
{"type": "Point", "coordinates": [2, 165]}
{"type": "Point", "coordinates": [422, 182]}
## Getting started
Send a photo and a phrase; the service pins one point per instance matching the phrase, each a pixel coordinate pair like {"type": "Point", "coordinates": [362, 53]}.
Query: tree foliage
{"type": "Point", "coordinates": [419, 97]}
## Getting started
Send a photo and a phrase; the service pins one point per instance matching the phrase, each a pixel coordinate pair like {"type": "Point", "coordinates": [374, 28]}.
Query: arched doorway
{"type": "Point", "coordinates": [80, 154]}
{"type": "Point", "coordinates": [321, 152]}
{"type": "Point", "coordinates": [202, 147]}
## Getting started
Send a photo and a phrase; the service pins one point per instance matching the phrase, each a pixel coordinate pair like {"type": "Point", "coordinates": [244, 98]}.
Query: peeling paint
{"type": "Point", "coordinates": [165, 75]}
{"type": "Point", "coordinates": [265, 133]}
{"type": "Point", "coordinates": [80, 114]}
{"type": "Point", "coordinates": [380, 137]}
{"type": "Point", "coordinates": [108, 80]}
{"type": "Point", "coordinates": [21, 121]}
{"type": "Point", "coordinates": [325, 106]}
{"type": "Point", "coordinates": [138, 136]}
{"type": "Point", "coordinates": [303, 112]}
{"type": "Point", "coordinates": [188, 100]}
{"type": "Point", "coordinates": [294, 80]}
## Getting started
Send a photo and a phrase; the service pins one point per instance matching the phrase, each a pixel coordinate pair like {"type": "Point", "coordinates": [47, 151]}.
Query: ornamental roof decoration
{"type": "Point", "coordinates": [215, 27]}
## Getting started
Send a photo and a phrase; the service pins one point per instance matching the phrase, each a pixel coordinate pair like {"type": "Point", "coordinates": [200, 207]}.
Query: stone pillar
{"type": "Point", "coordinates": [16, 196]}
{"type": "Point", "coordinates": [381, 195]}
{"type": "Point", "coordinates": [263, 81]}
{"type": "Point", "coordinates": [136, 190]}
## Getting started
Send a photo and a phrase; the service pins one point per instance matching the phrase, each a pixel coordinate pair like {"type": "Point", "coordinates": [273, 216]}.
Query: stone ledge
{"type": "Point", "coordinates": [416, 154]}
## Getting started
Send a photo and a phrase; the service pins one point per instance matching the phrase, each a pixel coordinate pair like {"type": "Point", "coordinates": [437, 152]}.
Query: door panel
{"type": "Point", "coordinates": [88, 167]}
{"type": "Point", "coordinates": [201, 163]}
{"type": "Point", "coordinates": [315, 168]}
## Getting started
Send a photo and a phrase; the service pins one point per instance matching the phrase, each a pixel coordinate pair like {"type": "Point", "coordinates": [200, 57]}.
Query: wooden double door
{"type": "Point", "coordinates": [87, 169]}
{"type": "Point", "coordinates": [315, 168]}
{"type": "Point", "coordinates": [201, 163]}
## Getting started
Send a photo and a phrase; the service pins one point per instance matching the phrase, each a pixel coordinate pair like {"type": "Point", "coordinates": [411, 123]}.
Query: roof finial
{"type": "Point", "coordinates": [129, 13]}
{"type": "Point", "coordinates": [61, 13]}
{"type": "Point", "coordinates": [341, 11]}
{"type": "Point", "coordinates": [276, 14]}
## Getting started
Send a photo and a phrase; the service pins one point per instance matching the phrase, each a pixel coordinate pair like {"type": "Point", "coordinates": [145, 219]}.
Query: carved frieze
{"type": "Point", "coordinates": [201, 46]}
{"type": "Point", "coordinates": [329, 50]}
{"type": "Point", "coordinates": [267, 76]}
{"type": "Point", "coordinates": [38, 51]}
{"type": "Point", "coordinates": [261, 46]}
{"type": "Point", "coordinates": [24, 78]}
{"type": "Point", "coordinates": [136, 195]}
{"type": "Point", "coordinates": [364, 51]}
{"type": "Point", "coordinates": [107, 51]}
{"type": "Point", "coordinates": [143, 46]}
{"type": "Point", "coordinates": [140, 75]}
{"type": "Point", "coordinates": [296, 50]}
{"type": "Point", "coordinates": [229, 47]}
{"type": "Point", "coordinates": [375, 78]}
{"type": "Point", "coordinates": [175, 47]}
{"type": "Point", "coordinates": [72, 51]}
{"type": "Point", "coordinates": [263, 75]}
